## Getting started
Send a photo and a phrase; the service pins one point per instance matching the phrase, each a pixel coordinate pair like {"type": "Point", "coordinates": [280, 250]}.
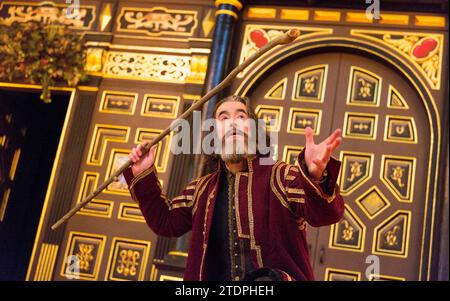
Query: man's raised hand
{"type": "Point", "coordinates": [318, 155]}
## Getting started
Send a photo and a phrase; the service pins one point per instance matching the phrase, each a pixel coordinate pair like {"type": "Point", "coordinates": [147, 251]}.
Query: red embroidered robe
{"type": "Point", "coordinates": [274, 203]}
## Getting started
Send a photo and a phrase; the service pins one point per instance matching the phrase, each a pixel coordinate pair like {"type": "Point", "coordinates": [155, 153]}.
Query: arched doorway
{"type": "Point", "coordinates": [387, 154]}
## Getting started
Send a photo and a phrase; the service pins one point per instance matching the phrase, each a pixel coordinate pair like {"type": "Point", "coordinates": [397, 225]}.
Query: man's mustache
{"type": "Point", "coordinates": [236, 132]}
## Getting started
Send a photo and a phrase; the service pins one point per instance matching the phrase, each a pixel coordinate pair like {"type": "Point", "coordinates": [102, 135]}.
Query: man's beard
{"type": "Point", "coordinates": [234, 150]}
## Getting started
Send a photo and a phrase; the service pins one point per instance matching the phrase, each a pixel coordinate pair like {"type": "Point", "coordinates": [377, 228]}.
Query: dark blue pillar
{"type": "Point", "coordinates": [227, 14]}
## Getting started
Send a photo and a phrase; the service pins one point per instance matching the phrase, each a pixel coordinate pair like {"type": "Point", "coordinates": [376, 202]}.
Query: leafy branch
{"type": "Point", "coordinates": [41, 53]}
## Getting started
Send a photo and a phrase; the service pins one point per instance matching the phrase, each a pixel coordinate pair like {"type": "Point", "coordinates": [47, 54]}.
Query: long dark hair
{"type": "Point", "coordinates": [213, 159]}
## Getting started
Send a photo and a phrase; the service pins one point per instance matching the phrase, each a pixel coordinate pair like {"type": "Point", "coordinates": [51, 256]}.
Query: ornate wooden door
{"type": "Point", "coordinates": [385, 134]}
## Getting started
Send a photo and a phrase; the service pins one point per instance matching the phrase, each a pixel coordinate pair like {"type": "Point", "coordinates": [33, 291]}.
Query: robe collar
{"type": "Point", "coordinates": [251, 161]}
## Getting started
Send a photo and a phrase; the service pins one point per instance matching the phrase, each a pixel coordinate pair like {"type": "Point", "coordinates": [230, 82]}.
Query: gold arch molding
{"type": "Point", "coordinates": [274, 58]}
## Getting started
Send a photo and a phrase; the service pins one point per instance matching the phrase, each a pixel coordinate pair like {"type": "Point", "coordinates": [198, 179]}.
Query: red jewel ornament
{"type": "Point", "coordinates": [258, 38]}
{"type": "Point", "coordinates": [424, 48]}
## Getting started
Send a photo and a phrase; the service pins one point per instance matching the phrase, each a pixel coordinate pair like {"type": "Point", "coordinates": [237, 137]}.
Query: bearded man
{"type": "Point", "coordinates": [248, 220]}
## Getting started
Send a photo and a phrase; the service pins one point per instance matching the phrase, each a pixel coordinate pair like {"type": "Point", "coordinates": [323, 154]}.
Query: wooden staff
{"type": "Point", "coordinates": [286, 38]}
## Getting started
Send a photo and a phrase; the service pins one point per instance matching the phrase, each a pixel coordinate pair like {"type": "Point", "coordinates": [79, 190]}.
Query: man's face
{"type": "Point", "coordinates": [232, 128]}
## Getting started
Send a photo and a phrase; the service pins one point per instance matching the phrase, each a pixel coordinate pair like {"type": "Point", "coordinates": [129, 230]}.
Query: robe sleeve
{"type": "Point", "coordinates": [165, 217]}
{"type": "Point", "coordinates": [319, 204]}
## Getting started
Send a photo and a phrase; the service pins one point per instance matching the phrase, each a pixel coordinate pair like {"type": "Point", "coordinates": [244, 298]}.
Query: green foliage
{"type": "Point", "coordinates": [43, 54]}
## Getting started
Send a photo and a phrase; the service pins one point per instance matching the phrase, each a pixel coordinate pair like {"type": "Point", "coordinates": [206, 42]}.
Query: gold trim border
{"type": "Point", "coordinates": [46, 262]}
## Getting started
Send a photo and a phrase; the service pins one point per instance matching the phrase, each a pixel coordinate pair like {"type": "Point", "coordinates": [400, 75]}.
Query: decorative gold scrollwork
{"type": "Point", "coordinates": [309, 84]}
{"type": "Point", "coordinates": [157, 21]}
{"type": "Point", "coordinates": [87, 248]}
{"type": "Point", "coordinates": [303, 122]}
{"type": "Point", "coordinates": [365, 90]}
{"type": "Point", "coordinates": [85, 256]}
{"type": "Point", "coordinates": [399, 129]}
{"type": "Point", "coordinates": [398, 173]}
{"type": "Point", "coordinates": [349, 234]}
{"type": "Point", "coordinates": [361, 126]}
{"type": "Point", "coordinates": [128, 259]}
{"type": "Point", "coordinates": [391, 237]}
{"type": "Point", "coordinates": [155, 67]}
{"type": "Point", "coordinates": [256, 36]}
{"type": "Point", "coordinates": [347, 231]}
{"type": "Point", "coordinates": [81, 18]}
{"type": "Point", "coordinates": [128, 262]}
{"type": "Point", "coordinates": [424, 50]}
{"type": "Point", "coordinates": [356, 170]}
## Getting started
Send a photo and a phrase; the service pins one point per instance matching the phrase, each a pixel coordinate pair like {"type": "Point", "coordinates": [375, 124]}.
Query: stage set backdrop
{"type": "Point", "coordinates": [383, 81]}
